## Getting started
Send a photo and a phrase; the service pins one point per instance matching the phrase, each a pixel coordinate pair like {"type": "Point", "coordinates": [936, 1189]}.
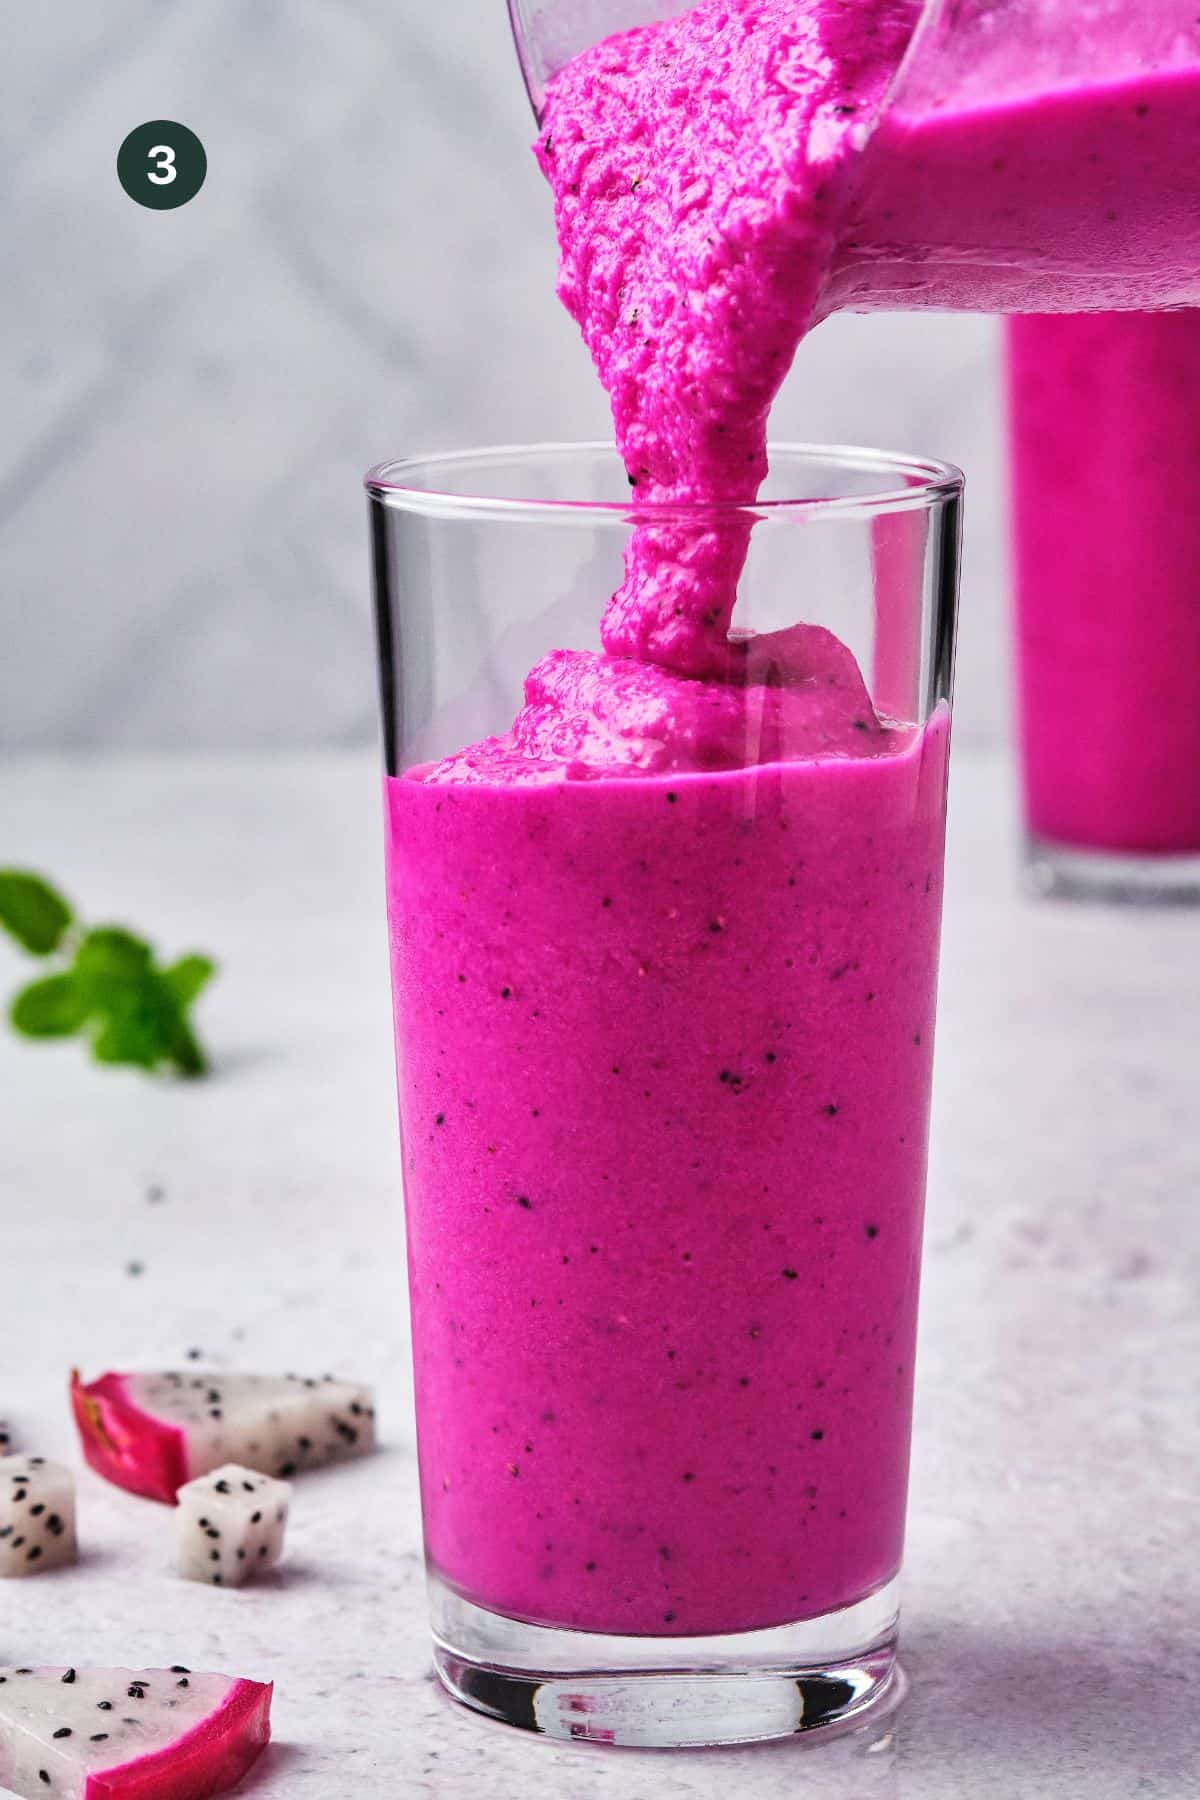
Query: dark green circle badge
{"type": "Point", "coordinates": [162, 164]}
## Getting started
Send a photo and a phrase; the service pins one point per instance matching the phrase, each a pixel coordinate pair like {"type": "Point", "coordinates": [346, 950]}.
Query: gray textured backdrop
{"type": "Point", "coordinates": [189, 398]}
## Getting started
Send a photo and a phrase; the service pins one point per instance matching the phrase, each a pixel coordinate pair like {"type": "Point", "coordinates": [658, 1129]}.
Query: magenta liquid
{"type": "Point", "coordinates": [1080, 197]}
{"type": "Point", "coordinates": [664, 954]}
{"type": "Point", "coordinates": [1105, 435]}
{"type": "Point", "coordinates": [664, 1082]}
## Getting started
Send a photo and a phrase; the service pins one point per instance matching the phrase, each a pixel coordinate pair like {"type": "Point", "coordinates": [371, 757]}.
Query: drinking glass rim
{"type": "Point", "coordinates": [930, 481]}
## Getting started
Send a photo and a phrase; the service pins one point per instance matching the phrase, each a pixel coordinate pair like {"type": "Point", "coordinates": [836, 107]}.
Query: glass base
{"type": "Point", "coordinates": [670, 1693]}
{"type": "Point", "coordinates": [1064, 872]}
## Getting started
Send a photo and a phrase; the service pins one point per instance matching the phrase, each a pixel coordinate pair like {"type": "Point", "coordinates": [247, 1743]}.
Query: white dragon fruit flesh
{"type": "Point", "coordinates": [230, 1526]}
{"type": "Point", "coordinates": [37, 1515]}
{"type": "Point", "coordinates": [121, 1734]}
{"type": "Point", "coordinates": [151, 1433]}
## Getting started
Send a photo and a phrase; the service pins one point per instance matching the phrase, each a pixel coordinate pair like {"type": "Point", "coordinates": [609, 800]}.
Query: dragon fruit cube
{"type": "Point", "coordinates": [230, 1526]}
{"type": "Point", "coordinates": [37, 1515]}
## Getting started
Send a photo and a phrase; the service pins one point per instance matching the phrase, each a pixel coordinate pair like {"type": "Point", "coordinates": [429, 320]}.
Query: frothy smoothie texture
{"type": "Point", "coordinates": [664, 953]}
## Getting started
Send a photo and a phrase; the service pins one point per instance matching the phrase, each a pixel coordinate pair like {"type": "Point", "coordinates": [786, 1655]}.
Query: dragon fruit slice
{"type": "Point", "coordinates": [37, 1515]}
{"type": "Point", "coordinates": [121, 1734]}
{"type": "Point", "coordinates": [5, 1437]}
{"type": "Point", "coordinates": [152, 1433]}
{"type": "Point", "coordinates": [230, 1526]}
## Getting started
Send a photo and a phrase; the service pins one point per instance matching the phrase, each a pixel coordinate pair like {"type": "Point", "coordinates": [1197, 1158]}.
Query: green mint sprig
{"type": "Point", "coordinates": [105, 983]}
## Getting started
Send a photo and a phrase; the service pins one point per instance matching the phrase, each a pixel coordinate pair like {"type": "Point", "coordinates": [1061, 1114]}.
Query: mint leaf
{"type": "Point", "coordinates": [137, 1019]}
{"type": "Point", "coordinates": [185, 1051]}
{"type": "Point", "coordinates": [49, 1008]}
{"type": "Point", "coordinates": [32, 911]}
{"type": "Point", "coordinates": [110, 961]}
{"type": "Point", "coordinates": [133, 1011]}
{"type": "Point", "coordinates": [134, 1020]}
{"type": "Point", "coordinates": [188, 977]}
{"type": "Point", "coordinates": [130, 1032]}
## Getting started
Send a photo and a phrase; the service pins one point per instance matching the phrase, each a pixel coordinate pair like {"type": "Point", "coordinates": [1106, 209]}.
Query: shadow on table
{"type": "Point", "coordinates": [236, 1061]}
{"type": "Point", "coordinates": [269, 1774]}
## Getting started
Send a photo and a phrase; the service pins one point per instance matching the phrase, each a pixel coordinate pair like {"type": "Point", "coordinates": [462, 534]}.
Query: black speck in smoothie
{"type": "Point", "coordinates": [872, 1231]}
{"type": "Point", "coordinates": [524, 1201]}
{"type": "Point", "coordinates": [816, 1435]}
{"type": "Point", "coordinates": [770, 1056]}
{"type": "Point", "coordinates": [1141, 110]}
{"type": "Point", "coordinates": [688, 1476]}
{"type": "Point", "coordinates": [607, 900]}
{"type": "Point", "coordinates": [506, 993]}
{"type": "Point", "coordinates": [441, 1119]}
{"type": "Point", "coordinates": [790, 1274]}
{"type": "Point", "coordinates": [589, 1566]}
{"type": "Point", "coordinates": [671, 799]}
{"type": "Point", "coordinates": [830, 1111]}
{"type": "Point", "coordinates": [668, 1618]}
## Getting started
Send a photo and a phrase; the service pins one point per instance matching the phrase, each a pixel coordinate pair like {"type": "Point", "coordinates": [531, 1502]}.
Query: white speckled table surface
{"type": "Point", "coordinates": [1052, 1623]}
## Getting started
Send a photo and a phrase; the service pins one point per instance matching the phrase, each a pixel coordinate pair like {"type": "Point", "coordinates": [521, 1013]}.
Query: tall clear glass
{"type": "Point", "coordinates": [1105, 460]}
{"type": "Point", "coordinates": [664, 1042]}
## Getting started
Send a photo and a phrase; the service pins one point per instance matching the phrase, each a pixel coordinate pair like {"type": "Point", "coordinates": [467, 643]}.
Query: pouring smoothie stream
{"type": "Point", "coordinates": [664, 951]}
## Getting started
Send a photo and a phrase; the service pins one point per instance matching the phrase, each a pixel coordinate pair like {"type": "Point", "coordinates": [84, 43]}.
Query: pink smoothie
{"type": "Point", "coordinates": [1016, 191]}
{"type": "Point", "coordinates": [701, 172]}
{"type": "Point", "coordinates": [664, 954]}
{"type": "Point", "coordinates": [1105, 426]}
{"type": "Point", "coordinates": [726, 179]}
{"type": "Point", "coordinates": [664, 1062]}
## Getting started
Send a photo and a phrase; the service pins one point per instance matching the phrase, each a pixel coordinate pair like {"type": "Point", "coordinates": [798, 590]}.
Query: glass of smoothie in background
{"type": "Point", "coordinates": [664, 959]}
{"type": "Point", "coordinates": [1105, 470]}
